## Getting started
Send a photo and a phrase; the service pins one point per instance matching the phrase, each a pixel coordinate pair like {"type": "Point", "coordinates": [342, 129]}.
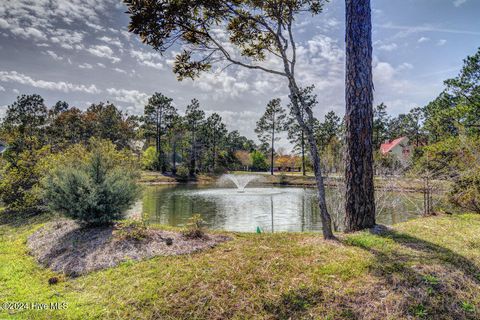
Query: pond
{"type": "Point", "coordinates": [270, 208]}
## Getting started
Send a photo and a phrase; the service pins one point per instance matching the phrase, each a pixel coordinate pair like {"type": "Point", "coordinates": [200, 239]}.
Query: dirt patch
{"type": "Point", "coordinates": [65, 247]}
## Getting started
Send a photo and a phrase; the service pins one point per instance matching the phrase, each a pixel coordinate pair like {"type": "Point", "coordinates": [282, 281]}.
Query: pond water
{"type": "Point", "coordinates": [270, 208]}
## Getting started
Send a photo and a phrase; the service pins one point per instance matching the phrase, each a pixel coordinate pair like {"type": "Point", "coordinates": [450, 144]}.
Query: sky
{"type": "Point", "coordinates": [80, 51]}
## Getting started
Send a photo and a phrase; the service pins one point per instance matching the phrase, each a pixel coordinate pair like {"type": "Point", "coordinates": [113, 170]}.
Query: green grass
{"type": "Point", "coordinates": [426, 269]}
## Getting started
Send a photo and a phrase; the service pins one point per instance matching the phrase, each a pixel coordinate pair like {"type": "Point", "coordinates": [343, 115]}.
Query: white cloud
{"type": "Point", "coordinates": [3, 110]}
{"type": "Point", "coordinates": [441, 42]}
{"type": "Point", "coordinates": [110, 40]}
{"type": "Point", "coordinates": [94, 26]}
{"type": "Point", "coordinates": [85, 66]}
{"type": "Point", "coordinates": [383, 71]}
{"type": "Point", "coordinates": [2, 88]}
{"type": "Point", "coordinates": [388, 47]}
{"type": "Point", "coordinates": [135, 98]}
{"type": "Point", "coordinates": [68, 39]}
{"type": "Point", "coordinates": [53, 55]}
{"type": "Point", "coordinates": [405, 66]}
{"type": "Point", "coordinates": [221, 85]}
{"type": "Point", "coordinates": [244, 121]}
{"type": "Point", "coordinates": [4, 24]}
{"type": "Point", "coordinates": [28, 33]}
{"type": "Point", "coordinates": [120, 70]}
{"type": "Point", "coordinates": [148, 59]}
{"type": "Point", "coordinates": [458, 3]}
{"type": "Point", "coordinates": [423, 39]}
{"type": "Point", "coordinates": [103, 51]}
{"type": "Point", "coordinates": [13, 76]}
{"type": "Point", "coordinates": [408, 30]}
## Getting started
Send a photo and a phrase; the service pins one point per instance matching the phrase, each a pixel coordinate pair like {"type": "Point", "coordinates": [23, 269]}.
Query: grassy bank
{"type": "Point", "coordinates": [153, 178]}
{"type": "Point", "coordinates": [297, 179]}
{"type": "Point", "coordinates": [426, 268]}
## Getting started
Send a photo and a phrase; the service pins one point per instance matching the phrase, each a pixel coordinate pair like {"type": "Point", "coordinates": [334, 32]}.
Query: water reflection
{"type": "Point", "coordinates": [271, 209]}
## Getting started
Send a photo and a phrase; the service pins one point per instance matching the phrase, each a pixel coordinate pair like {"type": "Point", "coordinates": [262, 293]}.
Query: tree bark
{"type": "Point", "coordinates": [193, 154]}
{"type": "Point", "coordinates": [303, 152]}
{"type": "Point", "coordinates": [360, 200]}
{"type": "Point", "coordinates": [317, 170]}
{"type": "Point", "coordinates": [157, 140]}
{"type": "Point", "coordinates": [214, 150]}
{"type": "Point", "coordinates": [273, 150]}
{"type": "Point", "coordinates": [174, 156]}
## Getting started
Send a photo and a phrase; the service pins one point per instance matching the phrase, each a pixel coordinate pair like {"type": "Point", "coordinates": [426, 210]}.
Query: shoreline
{"type": "Point", "coordinates": [156, 179]}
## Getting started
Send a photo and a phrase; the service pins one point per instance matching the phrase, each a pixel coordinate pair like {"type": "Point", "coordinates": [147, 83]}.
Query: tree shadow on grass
{"type": "Point", "coordinates": [425, 280]}
{"type": "Point", "coordinates": [18, 219]}
{"type": "Point", "coordinates": [65, 248]}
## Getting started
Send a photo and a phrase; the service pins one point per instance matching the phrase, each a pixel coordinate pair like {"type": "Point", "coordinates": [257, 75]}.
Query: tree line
{"type": "Point", "coordinates": [201, 143]}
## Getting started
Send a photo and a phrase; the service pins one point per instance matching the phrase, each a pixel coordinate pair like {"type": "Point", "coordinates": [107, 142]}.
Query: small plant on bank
{"type": "Point", "coordinates": [468, 307]}
{"type": "Point", "coordinates": [195, 228]}
{"type": "Point", "coordinates": [95, 190]}
{"type": "Point", "coordinates": [131, 230]}
{"type": "Point", "coordinates": [182, 173]}
{"type": "Point", "coordinates": [282, 179]}
{"type": "Point", "coordinates": [418, 310]}
{"type": "Point", "coordinates": [431, 280]}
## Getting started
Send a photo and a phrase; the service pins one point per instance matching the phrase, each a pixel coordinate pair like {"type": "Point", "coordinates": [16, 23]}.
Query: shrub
{"type": "Point", "coordinates": [465, 192]}
{"type": "Point", "coordinates": [259, 161]}
{"type": "Point", "coordinates": [95, 189]}
{"type": "Point", "coordinates": [182, 172]}
{"type": "Point", "coordinates": [219, 170]}
{"type": "Point", "coordinates": [149, 159]}
{"type": "Point", "coordinates": [131, 230]}
{"type": "Point", "coordinates": [282, 179]}
{"type": "Point", "coordinates": [20, 174]}
{"type": "Point", "coordinates": [195, 227]}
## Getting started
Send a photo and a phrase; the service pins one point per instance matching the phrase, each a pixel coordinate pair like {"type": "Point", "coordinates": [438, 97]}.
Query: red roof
{"type": "Point", "coordinates": [386, 147]}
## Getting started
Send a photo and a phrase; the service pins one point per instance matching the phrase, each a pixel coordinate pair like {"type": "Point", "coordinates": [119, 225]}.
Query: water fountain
{"type": "Point", "coordinates": [240, 180]}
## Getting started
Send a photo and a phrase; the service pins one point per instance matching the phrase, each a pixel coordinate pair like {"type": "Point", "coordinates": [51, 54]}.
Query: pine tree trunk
{"type": "Point", "coordinates": [273, 150]}
{"type": "Point", "coordinates": [192, 155]}
{"type": "Point", "coordinates": [174, 157]}
{"type": "Point", "coordinates": [158, 151]}
{"type": "Point", "coordinates": [360, 201]}
{"type": "Point", "coordinates": [303, 152]}
{"type": "Point", "coordinates": [214, 151]}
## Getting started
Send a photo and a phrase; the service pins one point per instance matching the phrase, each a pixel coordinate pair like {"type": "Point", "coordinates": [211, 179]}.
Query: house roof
{"type": "Point", "coordinates": [386, 147]}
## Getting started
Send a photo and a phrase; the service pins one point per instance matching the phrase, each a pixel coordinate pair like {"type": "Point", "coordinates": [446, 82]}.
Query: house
{"type": "Point", "coordinates": [399, 147]}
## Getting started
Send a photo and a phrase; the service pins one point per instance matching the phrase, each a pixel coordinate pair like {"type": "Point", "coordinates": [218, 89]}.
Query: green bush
{"type": "Point", "coordinates": [20, 174]}
{"type": "Point", "coordinates": [465, 192]}
{"type": "Point", "coordinates": [195, 228]}
{"type": "Point", "coordinates": [182, 172]}
{"type": "Point", "coordinates": [94, 190]}
{"type": "Point", "coordinates": [259, 161]}
{"type": "Point", "coordinates": [149, 159]}
{"type": "Point", "coordinates": [131, 230]}
{"type": "Point", "coordinates": [219, 170]}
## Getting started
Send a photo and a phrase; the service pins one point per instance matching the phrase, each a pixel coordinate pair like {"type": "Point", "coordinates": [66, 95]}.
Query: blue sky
{"type": "Point", "coordinates": [80, 51]}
